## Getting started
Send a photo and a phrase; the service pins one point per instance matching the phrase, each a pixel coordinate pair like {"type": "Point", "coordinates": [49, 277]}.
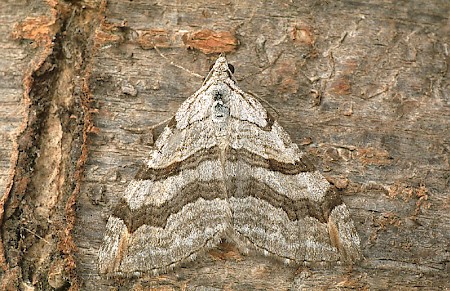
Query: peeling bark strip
{"type": "Point", "coordinates": [224, 169]}
{"type": "Point", "coordinates": [151, 38]}
{"type": "Point", "coordinates": [38, 209]}
{"type": "Point", "coordinates": [210, 42]}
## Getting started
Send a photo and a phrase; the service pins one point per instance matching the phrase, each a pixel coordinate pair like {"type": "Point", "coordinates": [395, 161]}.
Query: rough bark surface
{"type": "Point", "coordinates": [363, 87]}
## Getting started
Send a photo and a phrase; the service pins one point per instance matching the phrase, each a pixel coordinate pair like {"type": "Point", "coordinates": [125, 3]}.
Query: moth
{"type": "Point", "coordinates": [224, 168]}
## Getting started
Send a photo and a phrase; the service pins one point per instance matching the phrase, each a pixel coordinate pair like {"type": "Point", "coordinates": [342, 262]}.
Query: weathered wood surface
{"type": "Point", "coordinates": [362, 87]}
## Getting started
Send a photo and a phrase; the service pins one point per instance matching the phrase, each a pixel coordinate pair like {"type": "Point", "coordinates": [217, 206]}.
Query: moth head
{"type": "Point", "coordinates": [222, 68]}
{"type": "Point", "coordinates": [221, 64]}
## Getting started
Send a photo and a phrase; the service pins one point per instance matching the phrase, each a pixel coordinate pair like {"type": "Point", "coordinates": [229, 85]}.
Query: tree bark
{"type": "Point", "coordinates": [86, 86]}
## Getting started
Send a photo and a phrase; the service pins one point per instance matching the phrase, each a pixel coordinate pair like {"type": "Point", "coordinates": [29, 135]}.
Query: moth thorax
{"type": "Point", "coordinates": [220, 111]}
{"type": "Point", "coordinates": [220, 91]}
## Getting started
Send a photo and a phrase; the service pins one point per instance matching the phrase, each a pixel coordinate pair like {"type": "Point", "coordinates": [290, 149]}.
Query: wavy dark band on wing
{"type": "Point", "coordinates": [192, 162]}
{"type": "Point", "coordinates": [295, 209]}
{"type": "Point", "coordinates": [208, 154]}
{"type": "Point", "coordinates": [303, 165]}
{"type": "Point", "coordinates": [157, 215]}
